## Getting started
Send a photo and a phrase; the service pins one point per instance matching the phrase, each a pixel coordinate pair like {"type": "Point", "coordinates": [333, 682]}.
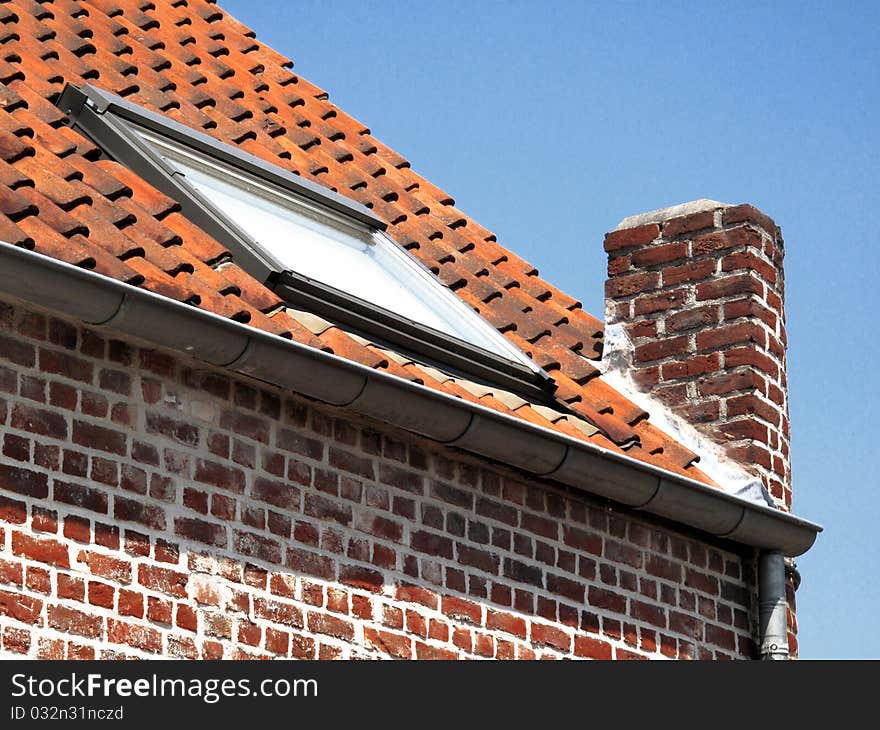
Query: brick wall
{"type": "Point", "coordinates": [701, 297]}
{"type": "Point", "coordinates": [149, 507]}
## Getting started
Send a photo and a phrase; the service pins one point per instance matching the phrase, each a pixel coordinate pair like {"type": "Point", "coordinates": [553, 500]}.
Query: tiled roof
{"type": "Point", "coordinates": [190, 60]}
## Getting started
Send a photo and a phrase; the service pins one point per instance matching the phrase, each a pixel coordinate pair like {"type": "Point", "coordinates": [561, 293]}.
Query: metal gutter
{"type": "Point", "coordinates": [99, 301]}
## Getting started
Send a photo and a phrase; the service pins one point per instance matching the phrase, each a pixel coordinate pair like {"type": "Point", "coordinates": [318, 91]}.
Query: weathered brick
{"type": "Point", "coordinates": [130, 510]}
{"type": "Point", "coordinates": [629, 237]}
{"type": "Point", "coordinates": [20, 607]}
{"type": "Point", "coordinates": [99, 437]}
{"type": "Point", "coordinates": [661, 349]}
{"type": "Point", "coordinates": [73, 621]}
{"type": "Point", "coordinates": [78, 495]}
{"type": "Point", "coordinates": [630, 284]}
{"type": "Point", "coordinates": [661, 301]}
{"type": "Point", "coordinates": [42, 549]}
{"type": "Point", "coordinates": [39, 421]}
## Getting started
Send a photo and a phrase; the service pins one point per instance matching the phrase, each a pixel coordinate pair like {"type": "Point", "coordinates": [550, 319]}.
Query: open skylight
{"type": "Point", "coordinates": [321, 252]}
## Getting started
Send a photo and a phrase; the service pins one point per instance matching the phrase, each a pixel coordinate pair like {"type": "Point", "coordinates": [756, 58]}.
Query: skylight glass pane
{"type": "Point", "coordinates": [333, 249]}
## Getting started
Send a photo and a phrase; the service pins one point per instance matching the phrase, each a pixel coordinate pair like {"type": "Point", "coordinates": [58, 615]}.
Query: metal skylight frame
{"type": "Point", "coordinates": [116, 126]}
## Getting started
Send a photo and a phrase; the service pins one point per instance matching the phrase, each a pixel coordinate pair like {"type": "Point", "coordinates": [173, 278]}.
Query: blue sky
{"type": "Point", "coordinates": [550, 122]}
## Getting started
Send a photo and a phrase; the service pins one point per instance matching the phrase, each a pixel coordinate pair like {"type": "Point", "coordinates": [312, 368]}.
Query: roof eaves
{"type": "Point", "coordinates": [100, 301]}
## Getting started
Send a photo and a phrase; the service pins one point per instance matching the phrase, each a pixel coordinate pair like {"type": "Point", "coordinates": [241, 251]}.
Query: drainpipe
{"type": "Point", "coordinates": [771, 605]}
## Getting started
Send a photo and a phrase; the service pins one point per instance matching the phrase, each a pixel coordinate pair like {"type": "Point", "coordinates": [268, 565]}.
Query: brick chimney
{"type": "Point", "coordinates": [698, 289]}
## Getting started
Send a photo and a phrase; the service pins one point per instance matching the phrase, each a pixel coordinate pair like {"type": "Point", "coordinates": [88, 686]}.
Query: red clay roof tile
{"type": "Point", "coordinates": [203, 68]}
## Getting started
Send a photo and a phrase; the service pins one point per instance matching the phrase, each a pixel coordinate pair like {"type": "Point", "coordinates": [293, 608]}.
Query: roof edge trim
{"type": "Point", "coordinates": [73, 99]}
{"type": "Point", "coordinates": [100, 301]}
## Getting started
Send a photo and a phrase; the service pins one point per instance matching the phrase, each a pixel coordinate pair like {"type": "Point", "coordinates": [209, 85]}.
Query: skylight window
{"type": "Point", "coordinates": [319, 251]}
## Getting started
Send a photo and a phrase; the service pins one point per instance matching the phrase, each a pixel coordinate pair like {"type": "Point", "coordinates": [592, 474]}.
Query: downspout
{"type": "Point", "coordinates": [771, 605]}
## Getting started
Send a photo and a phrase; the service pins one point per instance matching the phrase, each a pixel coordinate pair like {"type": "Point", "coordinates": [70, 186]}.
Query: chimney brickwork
{"type": "Point", "coordinates": [699, 290]}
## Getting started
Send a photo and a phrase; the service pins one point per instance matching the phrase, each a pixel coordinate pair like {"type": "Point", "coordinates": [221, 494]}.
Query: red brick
{"type": "Point", "coordinates": [16, 447]}
{"type": "Point", "coordinates": [654, 615]}
{"type": "Point", "coordinates": [39, 421]}
{"type": "Point", "coordinates": [617, 265]}
{"type": "Point", "coordinates": [72, 621]}
{"type": "Point", "coordinates": [278, 493]}
{"type": "Point", "coordinates": [107, 566]}
{"type": "Point", "coordinates": [431, 543]}
{"type": "Point", "coordinates": [506, 622]}
{"type": "Point", "coordinates": [43, 550]}
{"type": "Point", "coordinates": [746, 428]}
{"type": "Point", "coordinates": [16, 640]}
{"type": "Point", "coordinates": [697, 365]}
{"type": "Point", "coordinates": [561, 586]}
{"type": "Point", "coordinates": [12, 511]}
{"type": "Point", "coordinates": [661, 301]}
{"type": "Point", "coordinates": [130, 604]}
{"type": "Point", "coordinates": [688, 223]}
{"type": "Point", "coordinates": [278, 612]}
{"type": "Point", "coordinates": [629, 237]}
{"type": "Point", "coordinates": [701, 581]}
{"type": "Point", "coordinates": [551, 636]}
{"type": "Point", "coordinates": [100, 438]}
{"type": "Point", "coordinates": [661, 349]}
{"type": "Point", "coordinates": [606, 600]}
{"type": "Point", "coordinates": [722, 637]}
{"type": "Point", "coordinates": [135, 635]}
{"type": "Point", "coordinates": [78, 495]}
{"type": "Point", "coordinates": [751, 454]}
{"type": "Point", "coordinates": [249, 633]}
{"type": "Point", "coordinates": [252, 427]}
{"type": "Point", "coordinates": [24, 481]}
{"type": "Point", "coordinates": [749, 260]}
{"type": "Point", "coordinates": [692, 318]}
{"type": "Point", "coordinates": [751, 405]}
{"type": "Point", "coordinates": [729, 286]}
{"type": "Point", "coordinates": [163, 580]}
{"type": "Point", "coordinates": [660, 254]}
{"type": "Point", "coordinates": [626, 286]}
{"type": "Point", "coordinates": [144, 513]}
{"type": "Point", "coordinates": [461, 609]}
{"type": "Point", "coordinates": [11, 572]}
{"type": "Point", "coordinates": [588, 647]}
{"type": "Point", "coordinates": [351, 463]}
{"type": "Point", "coordinates": [748, 214]}
{"type": "Point", "coordinates": [310, 563]}
{"type": "Point", "coordinates": [256, 546]}
{"type": "Point", "coordinates": [730, 382]}
{"type": "Point", "coordinates": [60, 363]}
{"type": "Point", "coordinates": [417, 594]}
{"type": "Point", "coordinates": [218, 475]}
{"type": "Point", "coordinates": [324, 508]}
{"type": "Point", "coordinates": [20, 607]}
{"type": "Point", "coordinates": [691, 271]}
{"type": "Point", "coordinates": [20, 353]}
{"type": "Point", "coordinates": [731, 334]}
{"type": "Point", "coordinates": [101, 594]}
{"type": "Point", "coordinates": [727, 239]}
{"type": "Point", "coordinates": [645, 328]}
{"type": "Point", "coordinates": [322, 623]}
{"type": "Point", "coordinates": [748, 356]}
{"type": "Point", "coordinates": [209, 533]}
{"type": "Point", "coordinates": [362, 578]}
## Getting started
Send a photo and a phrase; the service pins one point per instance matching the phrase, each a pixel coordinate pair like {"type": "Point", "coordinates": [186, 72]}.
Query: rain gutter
{"type": "Point", "coordinates": [99, 301]}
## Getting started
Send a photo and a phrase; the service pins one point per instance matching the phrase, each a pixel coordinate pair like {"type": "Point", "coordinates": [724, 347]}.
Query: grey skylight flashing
{"type": "Point", "coordinates": [72, 100]}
